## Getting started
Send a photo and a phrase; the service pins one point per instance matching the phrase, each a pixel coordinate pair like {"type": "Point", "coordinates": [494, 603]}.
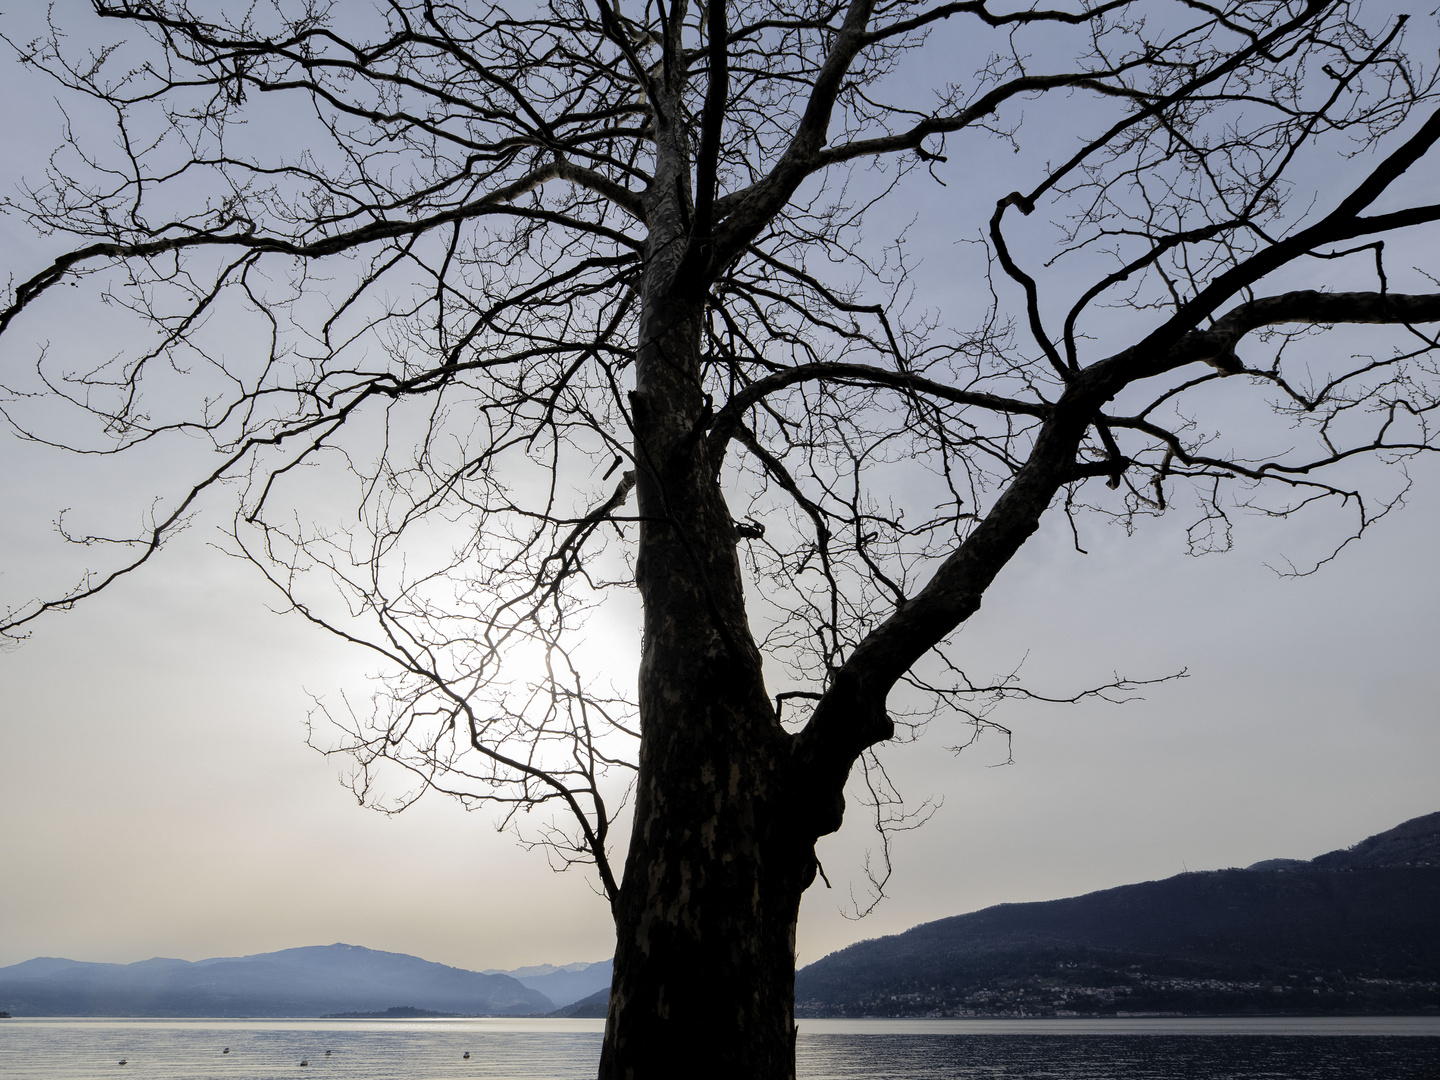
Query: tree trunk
{"type": "Point", "coordinates": [704, 982]}
{"type": "Point", "coordinates": [705, 958]}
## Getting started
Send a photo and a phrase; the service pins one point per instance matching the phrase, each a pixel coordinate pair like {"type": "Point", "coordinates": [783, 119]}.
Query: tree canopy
{"type": "Point", "coordinates": [572, 302]}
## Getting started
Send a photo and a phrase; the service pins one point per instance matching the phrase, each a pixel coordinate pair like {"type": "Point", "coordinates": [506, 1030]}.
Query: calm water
{"type": "Point", "coordinates": [1137, 1049]}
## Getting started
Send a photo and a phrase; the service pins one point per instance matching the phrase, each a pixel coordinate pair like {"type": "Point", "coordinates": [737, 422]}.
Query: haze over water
{"type": "Point", "coordinates": [1380, 1048]}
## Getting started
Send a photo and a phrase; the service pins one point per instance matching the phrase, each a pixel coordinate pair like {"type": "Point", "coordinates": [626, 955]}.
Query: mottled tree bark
{"type": "Point", "coordinates": [705, 961]}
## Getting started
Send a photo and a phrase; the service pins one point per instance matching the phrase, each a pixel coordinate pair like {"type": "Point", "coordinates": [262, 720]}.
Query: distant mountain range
{"type": "Point", "coordinates": [565, 985]}
{"type": "Point", "coordinates": [1353, 931]}
{"type": "Point", "coordinates": [315, 981]}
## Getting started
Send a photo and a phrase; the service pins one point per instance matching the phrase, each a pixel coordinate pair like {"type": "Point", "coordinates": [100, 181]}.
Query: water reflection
{"type": "Point", "coordinates": [57, 1049]}
{"type": "Point", "coordinates": [1117, 1057]}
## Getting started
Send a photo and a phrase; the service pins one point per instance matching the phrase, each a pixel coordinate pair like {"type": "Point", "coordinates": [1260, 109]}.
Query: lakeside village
{"type": "Point", "coordinates": [1136, 993]}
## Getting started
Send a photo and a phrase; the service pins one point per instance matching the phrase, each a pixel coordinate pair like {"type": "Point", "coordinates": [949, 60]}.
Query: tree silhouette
{"type": "Point", "coordinates": [574, 304]}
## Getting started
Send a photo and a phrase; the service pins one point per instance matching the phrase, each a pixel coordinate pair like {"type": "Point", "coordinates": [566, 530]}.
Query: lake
{"type": "Point", "coordinates": [1373, 1048]}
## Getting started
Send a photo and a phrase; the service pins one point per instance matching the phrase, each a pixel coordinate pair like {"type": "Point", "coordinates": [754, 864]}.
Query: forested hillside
{"type": "Point", "coordinates": [1351, 931]}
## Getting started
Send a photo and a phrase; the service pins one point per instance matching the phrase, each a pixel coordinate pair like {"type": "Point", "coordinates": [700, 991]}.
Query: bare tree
{"type": "Point", "coordinates": [578, 300]}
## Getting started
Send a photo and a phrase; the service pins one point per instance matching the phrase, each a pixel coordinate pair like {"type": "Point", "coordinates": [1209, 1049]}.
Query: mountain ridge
{"type": "Point", "coordinates": [1352, 930]}
{"type": "Point", "coordinates": [311, 980]}
{"type": "Point", "coordinates": [565, 984]}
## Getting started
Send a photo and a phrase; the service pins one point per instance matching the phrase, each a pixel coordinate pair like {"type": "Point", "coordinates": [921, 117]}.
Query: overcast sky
{"type": "Point", "coordinates": [157, 797]}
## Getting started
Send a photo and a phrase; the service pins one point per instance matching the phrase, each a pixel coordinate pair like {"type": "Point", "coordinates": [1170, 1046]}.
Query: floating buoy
{"type": "Point", "coordinates": [466, 1055]}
